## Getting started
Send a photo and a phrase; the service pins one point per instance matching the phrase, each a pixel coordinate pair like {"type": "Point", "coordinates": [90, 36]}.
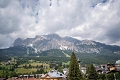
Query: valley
{"type": "Point", "coordinates": [44, 53]}
{"type": "Point", "coordinates": [31, 65]}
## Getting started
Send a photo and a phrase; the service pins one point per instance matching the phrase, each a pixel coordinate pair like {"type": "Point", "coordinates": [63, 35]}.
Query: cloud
{"type": "Point", "coordinates": [4, 3]}
{"type": "Point", "coordinates": [97, 20]}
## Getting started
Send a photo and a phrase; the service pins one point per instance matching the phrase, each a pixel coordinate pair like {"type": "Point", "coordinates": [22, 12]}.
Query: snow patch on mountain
{"type": "Point", "coordinates": [63, 47]}
{"type": "Point", "coordinates": [88, 42]}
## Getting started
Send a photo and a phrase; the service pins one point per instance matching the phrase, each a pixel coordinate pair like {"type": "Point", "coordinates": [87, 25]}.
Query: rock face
{"type": "Point", "coordinates": [54, 41]}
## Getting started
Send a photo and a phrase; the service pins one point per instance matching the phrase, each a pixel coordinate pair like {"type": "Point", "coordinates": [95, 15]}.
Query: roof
{"type": "Point", "coordinates": [83, 68]}
{"type": "Point", "coordinates": [65, 69]}
{"type": "Point", "coordinates": [23, 78]}
{"type": "Point", "coordinates": [55, 74]}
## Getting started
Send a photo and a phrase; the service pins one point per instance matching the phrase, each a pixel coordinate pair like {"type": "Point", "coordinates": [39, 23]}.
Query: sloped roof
{"type": "Point", "coordinates": [65, 69]}
{"type": "Point", "coordinates": [55, 74]}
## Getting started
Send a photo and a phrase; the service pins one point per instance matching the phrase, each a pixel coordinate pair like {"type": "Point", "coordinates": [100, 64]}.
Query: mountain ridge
{"type": "Point", "coordinates": [54, 41]}
{"type": "Point", "coordinates": [53, 45]}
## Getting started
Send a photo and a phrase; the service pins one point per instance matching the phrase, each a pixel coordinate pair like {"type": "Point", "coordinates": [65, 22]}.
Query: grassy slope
{"type": "Point", "coordinates": [35, 64]}
{"type": "Point", "coordinates": [30, 70]}
{"type": "Point", "coordinates": [22, 70]}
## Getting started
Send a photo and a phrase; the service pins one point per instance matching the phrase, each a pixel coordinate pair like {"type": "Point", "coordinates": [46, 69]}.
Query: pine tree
{"type": "Point", "coordinates": [74, 71]}
{"type": "Point", "coordinates": [117, 76]}
{"type": "Point", "coordinates": [101, 77]}
{"type": "Point", "coordinates": [110, 76]}
{"type": "Point", "coordinates": [91, 73]}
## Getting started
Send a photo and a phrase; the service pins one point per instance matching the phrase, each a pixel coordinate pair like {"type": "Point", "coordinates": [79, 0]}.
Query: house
{"type": "Point", "coordinates": [53, 75]}
{"type": "Point", "coordinates": [117, 66]}
{"type": "Point", "coordinates": [26, 77]}
{"type": "Point", "coordinates": [102, 69]}
{"type": "Point", "coordinates": [108, 68]}
{"type": "Point", "coordinates": [31, 78]}
{"type": "Point", "coordinates": [83, 70]}
{"type": "Point", "coordinates": [65, 71]}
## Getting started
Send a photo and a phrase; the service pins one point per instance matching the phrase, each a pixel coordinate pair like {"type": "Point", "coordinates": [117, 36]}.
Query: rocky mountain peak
{"type": "Point", "coordinates": [51, 36]}
{"type": "Point", "coordinates": [88, 42]}
{"type": "Point", "coordinates": [54, 41]}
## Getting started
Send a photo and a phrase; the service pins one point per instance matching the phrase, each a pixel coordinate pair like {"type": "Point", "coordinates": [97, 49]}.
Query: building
{"type": "Point", "coordinates": [53, 75]}
{"type": "Point", "coordinates": [23, 78]}
{"type": "Point", "coordinates": [27, 77]}
{"type": "Point", "coordinates": [117, 66]}
{"type": "Point", "coordinates": [83, 70]}
{"type": "Point", "coordinates": [102, 69]}
{"type": "Point", "coordinates": [65, 71]}
{"type": "Point", "coordinates": [108, 68]}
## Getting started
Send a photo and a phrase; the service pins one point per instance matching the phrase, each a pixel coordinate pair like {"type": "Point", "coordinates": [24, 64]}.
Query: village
{"type": "Point", "coordinates": [55, 74]}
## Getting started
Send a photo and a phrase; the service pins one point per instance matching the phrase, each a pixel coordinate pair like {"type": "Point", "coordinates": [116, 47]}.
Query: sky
{"type": "Point", "coordinates": [97, 20]}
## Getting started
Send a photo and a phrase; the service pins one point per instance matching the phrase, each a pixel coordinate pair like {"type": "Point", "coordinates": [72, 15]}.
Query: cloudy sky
{"type": "Point", "coordinates": [97, 20]}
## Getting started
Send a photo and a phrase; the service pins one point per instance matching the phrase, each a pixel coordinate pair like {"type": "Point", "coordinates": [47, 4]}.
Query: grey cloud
{"type": "Point", "coordinates": [114, 33]}
{"type": "Point", "coordinates": [8, 24]}
{"type": "Point", "coordinates": [87, 19]}
{"type": "Point", "coordinates": [29, 4]}
{"type": "Point", "coordinates": [5, 41]}
{"type": "Point", "coordinates": [4, 3]}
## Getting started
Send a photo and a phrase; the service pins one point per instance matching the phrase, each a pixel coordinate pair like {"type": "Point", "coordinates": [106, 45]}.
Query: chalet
{"type": "Point", "coordinates": [108, 68]}
{"type": "Point", "coordinates": [102, 69]}
{"type": "Point", "coordinates": [117, 66]}
{"type": "Point", "coordinates": [65, 71]}
{"type": "Point", "coordinates": [31, 78]}
{"type": "Point", "coordinates": [83, 70]}
{"type": "Point", "coordinates": [53, 75]}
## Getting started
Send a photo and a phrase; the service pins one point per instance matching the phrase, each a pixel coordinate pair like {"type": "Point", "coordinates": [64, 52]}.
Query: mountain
{"type": "Point", "coordinates": [54, 41]}
{"type": "Point", "coordinates": [53, 45]}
